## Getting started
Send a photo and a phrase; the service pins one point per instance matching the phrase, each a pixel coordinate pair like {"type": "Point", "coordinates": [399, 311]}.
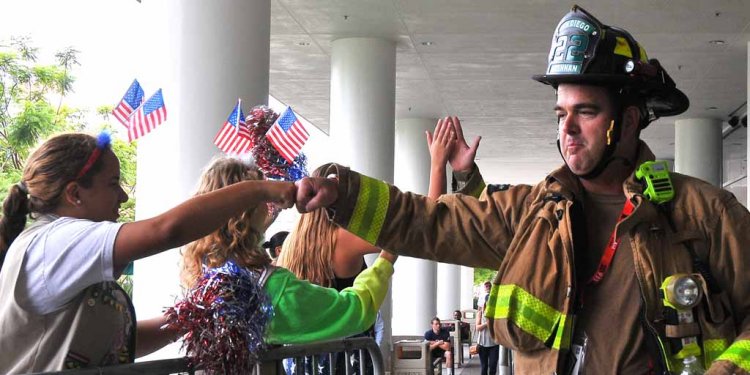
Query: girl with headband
{"type": "Point", "coordinates": [61, 307]}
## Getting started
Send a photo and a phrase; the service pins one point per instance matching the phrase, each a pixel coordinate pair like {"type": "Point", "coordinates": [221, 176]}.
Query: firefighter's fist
{"type": "Point", "coordinates": [315, 192]}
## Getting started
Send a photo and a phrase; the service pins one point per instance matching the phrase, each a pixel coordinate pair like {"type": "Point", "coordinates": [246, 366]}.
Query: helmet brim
{"type": "Point", "coordinates": [664, 101]}
{"type": "Point", "coordinates": [583, 79]}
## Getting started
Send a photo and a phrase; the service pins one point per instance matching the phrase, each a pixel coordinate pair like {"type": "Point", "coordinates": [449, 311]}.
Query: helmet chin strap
{"type": "Point", "coordinates": [613, 137]}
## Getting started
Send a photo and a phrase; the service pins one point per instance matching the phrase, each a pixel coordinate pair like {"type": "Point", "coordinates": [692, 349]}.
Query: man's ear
{"type": "Point", "coordinates": [631, 121]}
{"type": "Point", "coordinates": [72, 194]}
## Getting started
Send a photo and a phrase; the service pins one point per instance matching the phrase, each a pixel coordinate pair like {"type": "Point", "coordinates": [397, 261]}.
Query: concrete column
{"type": "Point", "coordinates": [467, 288]}
{"type": "Point", "coordinates": [448, 290]}
{"type": "Point", "coordinates": [363, 110]}
{"type": "Point", "coordinates": [204, 56]}
{"type": "Point", "coordinates": [363, 104]}
{"type": "Point", "coordinates": [698, 149]}
{"type": "Point", "coordinates": [416, 279]}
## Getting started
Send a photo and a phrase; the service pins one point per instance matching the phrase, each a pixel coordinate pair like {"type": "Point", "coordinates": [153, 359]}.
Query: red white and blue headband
{"type": "Point", "coordinates": [103, 141]}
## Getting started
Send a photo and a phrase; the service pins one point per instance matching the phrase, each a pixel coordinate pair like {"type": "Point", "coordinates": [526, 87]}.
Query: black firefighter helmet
{"type": "Point", "coordinates": [587, 52]}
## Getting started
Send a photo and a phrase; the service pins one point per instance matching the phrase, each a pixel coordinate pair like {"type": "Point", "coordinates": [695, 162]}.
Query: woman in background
{"type": "Point", "coordinates": [325, 254]}
{"type": "Point", "coordinates": [303, 312]}
{"type": "Point", "coordinates": [273, 246]}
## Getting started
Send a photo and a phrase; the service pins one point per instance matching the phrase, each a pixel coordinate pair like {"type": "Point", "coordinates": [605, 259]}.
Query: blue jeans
{"type": "Point", "coordinates": [488, 356]}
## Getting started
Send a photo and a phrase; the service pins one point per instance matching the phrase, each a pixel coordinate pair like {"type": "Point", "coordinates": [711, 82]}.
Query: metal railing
{"type": "Point", "coordinates": [270, 361]}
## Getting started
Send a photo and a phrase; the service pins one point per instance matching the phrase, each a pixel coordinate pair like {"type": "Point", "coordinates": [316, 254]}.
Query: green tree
{"type": "Point", "coordinates": [26, 113]}
{"type": "Point", "coordinates": [126, 152]}
{"type": "Point", "coordinates": [28, 116]}
{"type": "Point", "coordinates": [483, 274]}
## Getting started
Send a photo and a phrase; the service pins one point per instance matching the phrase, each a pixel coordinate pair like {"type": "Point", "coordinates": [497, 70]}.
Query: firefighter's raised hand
{"type": "Point", "coordinates": [316, 192]}
{"type": "Point", "coordinates": [462, 156]}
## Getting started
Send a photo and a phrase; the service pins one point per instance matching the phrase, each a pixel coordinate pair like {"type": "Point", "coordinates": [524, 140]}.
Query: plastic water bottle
{"type": "Point", "coordinates": [691, 366]}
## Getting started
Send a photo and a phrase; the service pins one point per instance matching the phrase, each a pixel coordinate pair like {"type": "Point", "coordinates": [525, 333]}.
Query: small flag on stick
{"type": "Point", "coordinates": [148, 116]}
{"type": "Point", "coordinates": [129, 102]}
{"type": "Point", "coordinates": [234, 136]}
{"type": "Point", "coordinates": [288, 135]}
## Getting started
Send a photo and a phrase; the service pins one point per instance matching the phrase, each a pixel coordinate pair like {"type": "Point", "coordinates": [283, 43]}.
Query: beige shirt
{"type": "Point", "coordinates": [616, 294]}
{"type": "Point", "coordinates": [95, 328]}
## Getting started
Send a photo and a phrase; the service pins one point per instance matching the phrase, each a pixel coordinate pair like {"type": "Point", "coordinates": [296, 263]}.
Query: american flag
{"type": "Point", "coordinates": [288, 135]}
{"type": "Point", "coordinates": [147, 117]}
{"type": "Point", "coordinates": [129, 102]}
{"type": "Point", "coordinates": [234, 136]}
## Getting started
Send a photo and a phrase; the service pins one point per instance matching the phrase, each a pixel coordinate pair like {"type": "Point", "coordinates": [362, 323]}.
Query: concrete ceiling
{"type": "Point", "coordinates": [474, 59]}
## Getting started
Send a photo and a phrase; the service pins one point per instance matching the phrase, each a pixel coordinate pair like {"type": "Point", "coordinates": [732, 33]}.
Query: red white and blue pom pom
{"type": "Point", "coordinates": [267, 158]}
{"type": "Point", "coordinates": [225, 316]}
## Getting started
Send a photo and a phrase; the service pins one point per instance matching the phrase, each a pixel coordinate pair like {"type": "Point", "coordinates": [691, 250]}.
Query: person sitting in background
{"type": "Point", "coordinates": [440, 344]}
{"type": "Point", "coordinates": [464, 327]}
{"type": "Point", "coordinates": [273, 246]}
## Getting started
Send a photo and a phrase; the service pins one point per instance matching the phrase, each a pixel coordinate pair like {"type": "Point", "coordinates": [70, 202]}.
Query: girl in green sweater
{"type": "Point", "coordinates": [301, 312]}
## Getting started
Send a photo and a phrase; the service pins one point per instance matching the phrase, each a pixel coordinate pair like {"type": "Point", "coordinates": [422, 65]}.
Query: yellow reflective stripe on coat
{"type": "Point", "coordinates": [530, 314]}
{"type": "Point", "coordinates": [738, 353]}
{"type": "Point", "coordinates": [370, 209]}
{"type": "Point", "coordinates": [712, 349]}
{"type": "Point", "coordinates": [564, 333]}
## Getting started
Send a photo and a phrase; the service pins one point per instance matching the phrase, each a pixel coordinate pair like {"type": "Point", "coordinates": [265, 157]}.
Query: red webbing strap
{"type": "Point", "coordinates": [612, 245]}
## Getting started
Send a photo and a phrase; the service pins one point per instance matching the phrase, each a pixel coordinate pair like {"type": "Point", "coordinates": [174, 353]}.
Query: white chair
{"type": "Point", "coordinates": [411, 356]}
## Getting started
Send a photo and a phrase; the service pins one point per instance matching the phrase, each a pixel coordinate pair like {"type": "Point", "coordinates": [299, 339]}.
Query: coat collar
{"type": "Point", "coordinates": [563, 182]}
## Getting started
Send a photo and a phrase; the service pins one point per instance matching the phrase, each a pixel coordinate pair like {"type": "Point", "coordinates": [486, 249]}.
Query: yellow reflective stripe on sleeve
{"type": "Point", "coordinates": [738, 353]}
{"type": "Point", "coordinates": [370, 209]}
{"type": "Point", "coordinates": [529, 313]}
{"type": "Point", "coordinates": [712, 349]}
{"type": "Point", "coordinates": [622, 48]}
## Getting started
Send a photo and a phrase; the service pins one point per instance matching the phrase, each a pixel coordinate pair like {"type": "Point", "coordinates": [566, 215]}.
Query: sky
{"type": "Point", "coordinates": [104, 32]}
{"type": "Point", "coordinates": [107, 34]}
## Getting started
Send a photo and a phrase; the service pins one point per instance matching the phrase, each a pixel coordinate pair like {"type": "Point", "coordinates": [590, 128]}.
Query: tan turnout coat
{"type": "Point", "coordinates": [525, 232]}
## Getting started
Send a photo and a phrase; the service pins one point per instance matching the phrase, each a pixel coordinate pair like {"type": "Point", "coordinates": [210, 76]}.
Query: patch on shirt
{"type": "Point", "coordinates": [491, 188]}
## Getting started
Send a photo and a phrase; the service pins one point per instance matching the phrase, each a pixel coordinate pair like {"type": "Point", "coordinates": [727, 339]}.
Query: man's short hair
{"type": "Point", "coordinates": [435, 319]}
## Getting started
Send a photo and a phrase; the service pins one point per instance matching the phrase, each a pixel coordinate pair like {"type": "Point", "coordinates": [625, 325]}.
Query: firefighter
{"type": "Point", "coordinates": [582, 256]}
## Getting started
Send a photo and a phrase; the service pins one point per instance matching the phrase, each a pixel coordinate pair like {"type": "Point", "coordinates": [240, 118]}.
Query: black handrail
{"type": "Point", "coordinates": [270, 359]}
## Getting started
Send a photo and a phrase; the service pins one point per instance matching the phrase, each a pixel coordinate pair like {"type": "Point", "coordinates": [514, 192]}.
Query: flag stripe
{"type": "Point", "coordinates": [281, 140]}
{"type": "Point", "coordinates": [148, 116]}
{"type": "Point", "coordinates": [132, 99]}
{"type": "Point", "coordinates": [280, 146]}
{"type": "Point", "coordinates": [288, 135]}
{"type": "Point", "coordinates": [234, 135]}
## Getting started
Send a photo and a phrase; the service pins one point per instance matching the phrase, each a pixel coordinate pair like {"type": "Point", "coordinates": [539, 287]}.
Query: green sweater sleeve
{"type": "Point", "coordinates": [305, 312]}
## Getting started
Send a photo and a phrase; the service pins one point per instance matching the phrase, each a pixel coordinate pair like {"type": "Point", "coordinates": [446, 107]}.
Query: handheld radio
{"type": "Point", "coordinates": [659, 188]}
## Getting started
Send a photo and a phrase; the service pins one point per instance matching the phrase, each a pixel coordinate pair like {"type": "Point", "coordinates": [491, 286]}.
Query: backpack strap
{"type": "Point", "coordinates": [266, 274]}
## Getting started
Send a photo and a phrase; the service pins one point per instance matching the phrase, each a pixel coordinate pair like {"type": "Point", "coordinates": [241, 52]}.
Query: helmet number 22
{"type": "Point", "coordinates": [570, 48]}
